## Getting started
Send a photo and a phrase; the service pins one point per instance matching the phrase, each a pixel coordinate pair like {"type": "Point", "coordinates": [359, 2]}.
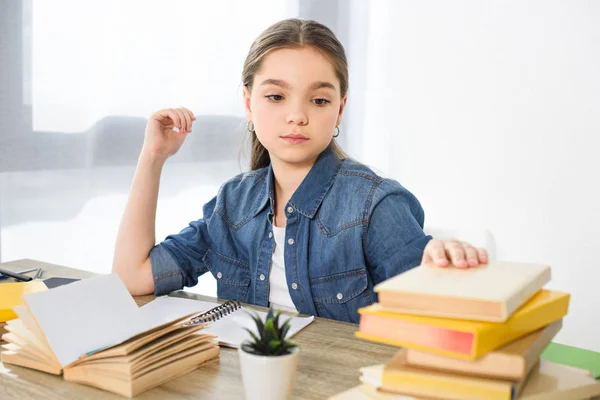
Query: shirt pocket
{"type": "Point", "coordinates": [339, 296]}
{"type": "Point", "coordinates": [233, 276]}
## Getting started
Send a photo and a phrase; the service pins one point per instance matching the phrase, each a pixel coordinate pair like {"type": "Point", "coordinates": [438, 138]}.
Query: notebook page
{"type": "Point", "coordinates": [229, 329]}
{"type": "Point", "coordinates": [85, 316]}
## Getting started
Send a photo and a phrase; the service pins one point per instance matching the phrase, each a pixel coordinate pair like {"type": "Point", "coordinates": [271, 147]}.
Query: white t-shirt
{"type": "Point", "coordinates": [279, 294]}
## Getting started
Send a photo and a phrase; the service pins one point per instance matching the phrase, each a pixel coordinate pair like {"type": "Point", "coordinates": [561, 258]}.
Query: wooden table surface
{"type": "Point", "coordinates": [330, 359]}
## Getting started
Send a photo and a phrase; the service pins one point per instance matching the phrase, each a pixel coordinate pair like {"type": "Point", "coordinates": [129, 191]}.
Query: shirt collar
{"type": "Point", "coordinates": [309, 195]}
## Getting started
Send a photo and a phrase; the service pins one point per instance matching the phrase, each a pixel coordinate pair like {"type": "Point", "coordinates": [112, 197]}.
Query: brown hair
{"type": "Point", "coordinates": [293, 33]}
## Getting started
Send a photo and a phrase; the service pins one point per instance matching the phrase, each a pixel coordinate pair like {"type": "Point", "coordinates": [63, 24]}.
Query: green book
{"type": "Point", "coordinates": [574, 357]}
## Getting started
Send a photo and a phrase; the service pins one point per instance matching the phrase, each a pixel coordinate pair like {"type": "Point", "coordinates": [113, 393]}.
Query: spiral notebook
{"type": "Point", "coordinates": [226, 321]}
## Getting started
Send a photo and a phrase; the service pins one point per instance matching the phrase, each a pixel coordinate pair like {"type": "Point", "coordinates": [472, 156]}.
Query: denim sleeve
{"type": "Point", "coordinates": [177, 261]}
{"type": "Point", "coordinates": [394, 240]}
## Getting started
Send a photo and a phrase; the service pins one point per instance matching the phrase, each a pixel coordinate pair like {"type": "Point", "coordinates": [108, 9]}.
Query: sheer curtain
{"type": "Point", "coordinates": [78, 82]}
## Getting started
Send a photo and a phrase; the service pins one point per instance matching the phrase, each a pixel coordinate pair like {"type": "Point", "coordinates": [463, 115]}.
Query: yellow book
{"type": "Point", "coordinates": [11, 295]}
{"type": "Point", "coordinates": [460, 338]}
{"type": "Point", "coordinates": [431, 384]}
{"type": "Point", "coordinates": [547, 381]}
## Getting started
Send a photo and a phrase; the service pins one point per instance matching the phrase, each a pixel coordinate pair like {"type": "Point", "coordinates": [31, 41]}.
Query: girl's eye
{"type": "Point", "coordinates": [274, 97]}
{"type": "Point", "coordinates": [321, 102]}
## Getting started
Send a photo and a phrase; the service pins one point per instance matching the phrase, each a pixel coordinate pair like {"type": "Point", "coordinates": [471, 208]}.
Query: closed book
{"type": "Point", "coordinates": [552, 381]}
{"type": "Point", "coordinates": [420, 383]}
{"type": "Point", "coordinates": [111, 344]}
{"type": "Point", "coordinates": [573, 356]}
{"type": "Point", "coordinates": [365, 391]}
{"type": "Point", "coordinates": [547, 381]}
{"type": "Point", "coordinates": [489, 292]}
{"type": "Point", "coordinates": [512, 361]}
{"type": "Point", "coordinates": [460, 338]}
{"type": "Point", "coordinates": [11, 295]}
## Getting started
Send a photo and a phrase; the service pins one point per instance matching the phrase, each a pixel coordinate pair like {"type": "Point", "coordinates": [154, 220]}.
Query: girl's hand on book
{"type": "Point", "coordinates": [166, 130]}
{"type": "Point", "coordinates": [459, 254]}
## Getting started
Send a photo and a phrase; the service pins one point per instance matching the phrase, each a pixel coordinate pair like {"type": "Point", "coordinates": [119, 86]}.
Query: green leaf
{"type": "Point", "coordinates": [284, 329]}
{"type": "Point", "coordinates": [276, 320]}
{"type": "Point", "coordinates": [253, 335]}
{"type": "Point", "coordinates": [258, 321]}
{"type": "Point", "coordinates": [274, 345]}
{"type": "Point", "coordinates": [269, 331]}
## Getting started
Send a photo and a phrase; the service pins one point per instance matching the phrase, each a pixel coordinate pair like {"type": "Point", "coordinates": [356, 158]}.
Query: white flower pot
{"type": "Point", "coordinates": [268, 377]}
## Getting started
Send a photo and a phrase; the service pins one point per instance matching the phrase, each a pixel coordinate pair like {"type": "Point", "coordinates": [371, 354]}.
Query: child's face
{"type": "Point", "coordinates": [295, 104]}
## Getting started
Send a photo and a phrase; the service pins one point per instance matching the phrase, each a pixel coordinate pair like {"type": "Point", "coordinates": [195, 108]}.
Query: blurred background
{"type": "Point", "coordinates": [487, 111]}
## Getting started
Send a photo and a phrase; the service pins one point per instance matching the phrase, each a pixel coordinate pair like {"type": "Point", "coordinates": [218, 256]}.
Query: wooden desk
{"type": "Point", "coordinates": [330, 359]}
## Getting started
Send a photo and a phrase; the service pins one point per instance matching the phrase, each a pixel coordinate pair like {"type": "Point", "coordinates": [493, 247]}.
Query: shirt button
{"type": "Point", "coordinates": [270, 234]}
{"type": "Point", "coordinates": [290, 210]}
{"type": "Point", "coordinates": [290, 241]}
{"type": "Point", "coordinates": [262, 277]}
{"type": "Point", "coordinates": [219, 275]}
{"type": "Point", "coordinates": [340, 296]}
{"type": "Point", "coordinates": [294, 286]}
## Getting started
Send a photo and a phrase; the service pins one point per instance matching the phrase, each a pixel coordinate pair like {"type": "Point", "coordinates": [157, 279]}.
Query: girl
{"type": "Point", "coordinates": [307, 229]}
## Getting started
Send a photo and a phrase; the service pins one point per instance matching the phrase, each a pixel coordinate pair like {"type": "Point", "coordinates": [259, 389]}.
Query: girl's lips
{"type": "Point", "coordinates": [294, 139]}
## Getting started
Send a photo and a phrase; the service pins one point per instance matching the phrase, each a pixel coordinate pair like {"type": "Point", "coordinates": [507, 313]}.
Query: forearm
{"type": "Point", "coordinates": [136, 235]}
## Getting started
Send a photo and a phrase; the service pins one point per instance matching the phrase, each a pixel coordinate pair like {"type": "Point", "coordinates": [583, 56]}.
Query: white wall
{"type": "Point", "coordinates": [490, 113]}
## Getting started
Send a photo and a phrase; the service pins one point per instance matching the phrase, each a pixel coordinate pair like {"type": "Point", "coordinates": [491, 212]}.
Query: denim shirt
{"type": "Point", "coordinates": [347, 230]}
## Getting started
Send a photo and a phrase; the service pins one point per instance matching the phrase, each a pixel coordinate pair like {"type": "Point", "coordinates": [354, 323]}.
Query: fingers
{"type": "Point", "coordinates": [483, 255]}
{"type": "Point", "coordinates": [471, 255]}
{"type": "Point", "coordinates": [456, 252]}
{"type": "Point", "coordinates": [192, 116]}
{"type": "Point", "coordinates": [166, 116]}
{"type": "Point", "coordinates": [189, 117]}
{"type": "Point", "coordinates": [184, 122]}
{"type": "Point", "coordinates": [460, 254]}
{"type": "Point", "coordinates": [181, 118]}
{"type": "Point", "coordinates": [434, 251]}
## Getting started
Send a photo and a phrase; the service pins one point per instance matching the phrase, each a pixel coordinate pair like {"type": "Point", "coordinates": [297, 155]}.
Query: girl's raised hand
{"type": "Point", "coordinates": [166, 130]}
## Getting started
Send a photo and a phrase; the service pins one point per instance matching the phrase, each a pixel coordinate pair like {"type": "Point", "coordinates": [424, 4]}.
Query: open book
{"type": "Point", "coordinates": [93, 332]}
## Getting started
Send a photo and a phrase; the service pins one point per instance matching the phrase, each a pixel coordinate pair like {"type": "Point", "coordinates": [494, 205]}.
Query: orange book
{"type": "Point", "coordinates": [490, 292]}
{"type": "Point", "coordinates": [460, 338]}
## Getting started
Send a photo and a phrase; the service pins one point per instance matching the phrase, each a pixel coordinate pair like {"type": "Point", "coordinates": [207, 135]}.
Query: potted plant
{"type": "Point", "coordinates": [268, 360]}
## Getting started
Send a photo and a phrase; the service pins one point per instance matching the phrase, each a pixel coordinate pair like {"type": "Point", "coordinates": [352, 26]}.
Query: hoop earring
{"type": "Point", "coordinates": [337, 132]}
{"type": "Point", "coordinates": [250, 129]}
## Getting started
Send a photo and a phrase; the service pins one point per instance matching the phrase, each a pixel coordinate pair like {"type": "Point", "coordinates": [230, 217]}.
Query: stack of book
{"type": "Point", "coordinates": [92, 332]}
{"type": "Point", "coordinates": [467, 334]}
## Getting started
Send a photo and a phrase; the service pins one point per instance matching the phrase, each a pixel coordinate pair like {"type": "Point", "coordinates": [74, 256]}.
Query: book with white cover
{"type": "Point", "coordinates": [490, 292]}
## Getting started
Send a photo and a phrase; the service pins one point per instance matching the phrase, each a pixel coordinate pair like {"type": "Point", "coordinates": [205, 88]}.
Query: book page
{"type": "Point", "coordinates": [229, 329]}
{"type": "Point", "coordinates": [85, 316]}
